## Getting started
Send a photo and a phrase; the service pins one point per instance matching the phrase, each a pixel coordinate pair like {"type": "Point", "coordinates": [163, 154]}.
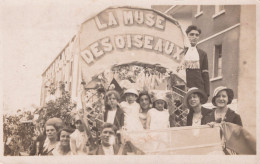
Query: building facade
{"type": "Point", "coordinates": [61, 69]}
{"type": "Point", "coordinates": [229, 39]}
{"type": "Point", "coordinates": [220, 31]}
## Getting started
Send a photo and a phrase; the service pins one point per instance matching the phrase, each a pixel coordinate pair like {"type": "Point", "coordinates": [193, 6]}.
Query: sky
{"type": "Point", "coordinates": [32, 34]}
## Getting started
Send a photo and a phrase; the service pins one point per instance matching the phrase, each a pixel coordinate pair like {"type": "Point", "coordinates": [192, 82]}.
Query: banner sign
{"type": "Point", "coordinates": [123, 35]}
{"type": "Point", "coordinates": [199, 140]}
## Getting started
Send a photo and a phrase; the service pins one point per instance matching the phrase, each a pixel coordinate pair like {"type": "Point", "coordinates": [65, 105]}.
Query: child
{"type": "Point", "coordinates": [158, 116]}
{"type": "Point", "coordinates": [113, 114]}
{"type": "Point", "coordinates": [131, 109]}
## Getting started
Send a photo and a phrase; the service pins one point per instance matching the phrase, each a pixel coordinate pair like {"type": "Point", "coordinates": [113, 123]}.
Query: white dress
{"type": "Point", "coordinates": [131, 112]}
{"type": "Point", "coordinates": [159, 119]}
{"type": "Point", "coordinates": [81, 139]}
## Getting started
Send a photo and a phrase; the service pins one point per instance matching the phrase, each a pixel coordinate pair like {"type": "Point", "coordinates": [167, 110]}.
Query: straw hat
{"type": "Point", "coordinates": [230, 94]}
{"type": "Point", "coordinates": [203, 99]}
{"type": "Point", "coordinates": [132, 90]}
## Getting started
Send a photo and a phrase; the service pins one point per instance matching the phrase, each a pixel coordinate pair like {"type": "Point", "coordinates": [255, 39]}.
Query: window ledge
{"type": "Point", "coordinates": [218, 14]}
{"type": "Point", "coordinates": [216, 78]}
{"type": "Point", "coordinates": [198, 14]}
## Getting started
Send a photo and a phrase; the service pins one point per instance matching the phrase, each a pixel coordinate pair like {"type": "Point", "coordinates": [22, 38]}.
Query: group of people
{"type": "Point", "coordinates": [199, 115]}
{"type": "Point", "coordinates": [197, 77]}
{"type": "Point", "coordinates": [139, 112]}
{"type": "Point", "coordinates": [59, 140]}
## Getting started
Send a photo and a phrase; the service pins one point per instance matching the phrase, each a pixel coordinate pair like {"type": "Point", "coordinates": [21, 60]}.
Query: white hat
{"type": "Point", "coordinates": [160, 96]}
{"type": "Point", "coordinates": [230, 94]}
{"type": "Point", "coordinates": [132, 90]}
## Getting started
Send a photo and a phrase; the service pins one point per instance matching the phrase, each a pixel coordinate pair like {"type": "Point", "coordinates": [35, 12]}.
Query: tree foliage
{"type": "Point", "coordinates": [60, 107]}
{"type": "Point", "coordinates": [21, 133]}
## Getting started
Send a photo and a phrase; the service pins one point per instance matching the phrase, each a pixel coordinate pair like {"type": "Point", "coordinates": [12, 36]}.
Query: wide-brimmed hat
{"type": "Point", "coordinates": [132, 90]}
{"type": "Point", "coordinates": [230, 94]}
{"type": "Point", "coordinates": [203, 98]}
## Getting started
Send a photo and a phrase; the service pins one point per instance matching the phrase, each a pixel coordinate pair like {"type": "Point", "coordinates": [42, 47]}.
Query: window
{"type": "Point", "coordinates": [217, 61]}
{"type": "Point", "coordinates": [219, 10]}
{"type": "Point", "coordinates": [199, 11]}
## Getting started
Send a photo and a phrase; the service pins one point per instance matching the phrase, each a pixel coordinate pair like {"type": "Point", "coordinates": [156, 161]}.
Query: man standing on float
{"type": "Point", "coordinates": [196, 62]}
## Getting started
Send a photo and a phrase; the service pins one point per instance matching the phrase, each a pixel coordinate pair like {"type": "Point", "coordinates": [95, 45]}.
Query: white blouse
{"type": "Point", "coordinates": [111, 114]}
{"type": "Point", "coordinates": [196, 122]}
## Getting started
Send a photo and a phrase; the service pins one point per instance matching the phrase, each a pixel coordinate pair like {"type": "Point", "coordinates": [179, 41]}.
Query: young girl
{"type": "Point", "coordinates": [113, 114]}
{"type": "Point", "coordinates": [131, 110]}
{"type": "Point", "coordinates": [158, 116]}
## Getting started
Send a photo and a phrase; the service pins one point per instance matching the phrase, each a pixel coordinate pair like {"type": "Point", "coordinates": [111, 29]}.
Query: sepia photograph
{"type": "Point", "coordinates": [87, 78]}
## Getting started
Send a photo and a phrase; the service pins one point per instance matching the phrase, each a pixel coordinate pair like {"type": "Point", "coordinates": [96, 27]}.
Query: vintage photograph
{"type": "Point", "coordinates": [150, 79]}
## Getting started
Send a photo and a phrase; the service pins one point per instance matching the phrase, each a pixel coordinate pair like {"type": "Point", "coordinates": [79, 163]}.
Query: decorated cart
{"type": "Point", "coordinates": [129, 47]}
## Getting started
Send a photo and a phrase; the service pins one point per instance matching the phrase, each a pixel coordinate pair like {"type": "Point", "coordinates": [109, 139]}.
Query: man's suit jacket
{"type": "Point", "coordinates": [119, 149]}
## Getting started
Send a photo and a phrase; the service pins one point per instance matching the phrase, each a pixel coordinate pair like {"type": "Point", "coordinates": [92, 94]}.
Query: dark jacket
{"type": "Point", "coordinates": [199, 77]}
{"type": "Point", "coordinates": [204, 112]}
{"type": "Point", "coordinates": [99, 150]}
{"type": "Point", "coordinates": [127, 148]}
{"type": "Point", "coordinates": [119, 117]}
{"type": "Point", "coordinates": [230, 116]}
{"type": "Point", "coordinates": [40, 140]}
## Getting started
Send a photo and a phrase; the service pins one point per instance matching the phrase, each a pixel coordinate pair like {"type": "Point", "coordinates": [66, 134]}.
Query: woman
{"type": "Point", "coordinates": [45, 144]}
{"type": "Point", "coordinates": [221, 98]}
{"type": "Point", "coordinates": [79, 138]}
{"type": "Point", "coordinates": [193, 100]}
{"type": "Point", "coordinates": [63, 147]}
{"type": "Point", "coordinates": [39, 129]}
{"type": "Point", "coordinates": [113, 114]}
{"type": "Point", "coordinates": [145, 102]}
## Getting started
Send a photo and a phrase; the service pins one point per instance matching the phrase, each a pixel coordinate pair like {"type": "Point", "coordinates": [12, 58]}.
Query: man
{"type": "Point", "coordinates": [109, 143]}
{"type": "Point", "coordinates": [196, 62]}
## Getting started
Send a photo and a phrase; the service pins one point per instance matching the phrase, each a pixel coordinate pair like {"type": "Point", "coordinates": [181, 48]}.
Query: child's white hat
{"type": "Point", "coordinates": [132, 90]}
{"type": "Point", "coordinates": [160, 96]}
